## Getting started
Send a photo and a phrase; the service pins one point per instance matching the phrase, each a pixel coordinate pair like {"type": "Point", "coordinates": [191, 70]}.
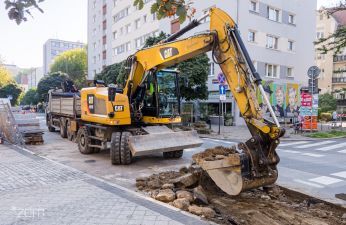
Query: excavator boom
{"type": "Point", "coordinates": [253, 163]}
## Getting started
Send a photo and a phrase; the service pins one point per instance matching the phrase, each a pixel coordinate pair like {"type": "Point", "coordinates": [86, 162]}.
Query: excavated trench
{"type": "Point", "coordinates": [191, 189]}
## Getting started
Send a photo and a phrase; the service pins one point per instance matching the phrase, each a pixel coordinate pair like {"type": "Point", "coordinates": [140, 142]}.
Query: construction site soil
{"type": "Point", "coordinates": [191, 189]}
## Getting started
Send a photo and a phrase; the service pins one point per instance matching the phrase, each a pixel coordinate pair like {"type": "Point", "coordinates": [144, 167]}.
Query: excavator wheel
{"type": "Point", "coordinates": [115, 145]}
{"type": "Point", "coordinates": [84, 141]}
{"type": "Point", "coordinates": [125, 152]}
{"type": "Point", "coordinates": [173, 155]}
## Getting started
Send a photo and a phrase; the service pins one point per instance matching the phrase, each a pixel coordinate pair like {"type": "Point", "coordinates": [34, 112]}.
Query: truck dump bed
{"type": "Point", "coordinates": [67, 104]}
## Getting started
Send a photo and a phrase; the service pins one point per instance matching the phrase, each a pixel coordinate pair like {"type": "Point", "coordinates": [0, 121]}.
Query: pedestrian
{"type": "Point", "coordinates": [334, 117]}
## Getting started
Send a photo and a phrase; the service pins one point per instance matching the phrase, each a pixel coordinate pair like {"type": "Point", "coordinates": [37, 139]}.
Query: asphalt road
{"type": "Point", "coordinates": [316, 168]}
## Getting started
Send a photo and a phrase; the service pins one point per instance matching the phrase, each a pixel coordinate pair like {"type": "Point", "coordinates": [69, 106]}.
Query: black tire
{"type": "Point", "coordinates": [70, 134]}
{"type": "Point", "coordinates": [84, 141]}
{"type": "Point", "coordinates": [51, 129]}
{"type": "Point", "coordinates": [49, 124]}
{"type": "Point", "coordinates": [125, 152]}
{"type": "Point", "coordinates": [173, 155]}
{"type": "Point", "coordinates": [115, 146]}
{"type": "Point", "coordinates": [63, 131]}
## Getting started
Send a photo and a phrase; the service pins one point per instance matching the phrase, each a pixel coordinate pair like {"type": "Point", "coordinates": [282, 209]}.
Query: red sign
{"type": "Point", "coordinates": [306, 100]}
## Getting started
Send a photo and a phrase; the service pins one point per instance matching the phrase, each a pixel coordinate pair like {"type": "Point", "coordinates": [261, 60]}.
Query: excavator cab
{"type": "Point", "coordinates": [162, 96]}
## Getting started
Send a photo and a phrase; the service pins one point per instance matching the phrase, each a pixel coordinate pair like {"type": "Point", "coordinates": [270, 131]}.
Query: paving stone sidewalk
{"type": "Point", "coordinates": [35, 190]}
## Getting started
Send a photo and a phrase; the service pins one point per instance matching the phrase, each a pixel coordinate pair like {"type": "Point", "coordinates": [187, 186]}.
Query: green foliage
{"type": "Point", "coordinates": [168, 8]}
{"type": "Point", "coordinates": [5, 76]}
{"type": "Point", "coordinates": [327, 103]}
{"type": "Point", "coordinates": [18, 10]}
{"type": "Point", "coordinates": [193, 73]}
{"type": "Point", "coordinates": [31, 97]}
{"type": "Point", "coordinates": [330, 134]}
{"type": "Point", "coordinates": [73, 63]}
{"type": "Point", "coordinates": [52, 81]}
{"type": "Point", "coordinates": [11, 89]}
{"type": "Point", "coordinates": [113, 74]}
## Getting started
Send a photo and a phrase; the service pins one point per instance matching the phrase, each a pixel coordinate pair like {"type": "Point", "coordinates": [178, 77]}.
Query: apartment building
{"type": "Point", "coordinates": [332, 64]}
{"type": "Point", "coordinates": [279, 36]}
{"type": "Point", "coordinates": [53, 47]}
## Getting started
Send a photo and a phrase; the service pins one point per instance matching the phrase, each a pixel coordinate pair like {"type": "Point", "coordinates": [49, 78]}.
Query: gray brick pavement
{"type": "Point", "coordinates": [37, 191]}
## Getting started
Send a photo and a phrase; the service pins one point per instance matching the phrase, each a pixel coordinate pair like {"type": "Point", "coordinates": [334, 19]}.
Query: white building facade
{"type": "Point", "coordinates": [279, 36]}
{"type": "Point", "coordinates": [53, 47]}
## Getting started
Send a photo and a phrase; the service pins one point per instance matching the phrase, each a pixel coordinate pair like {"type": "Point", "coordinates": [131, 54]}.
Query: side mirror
{"type": "Point", "coordinates": [112, 91]}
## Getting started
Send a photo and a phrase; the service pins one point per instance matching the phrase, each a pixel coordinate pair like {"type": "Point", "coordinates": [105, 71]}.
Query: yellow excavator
{"type": "Point", "coordinates": [135, 119]}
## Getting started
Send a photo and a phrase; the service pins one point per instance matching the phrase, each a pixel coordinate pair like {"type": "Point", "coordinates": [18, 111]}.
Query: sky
{"type": "Point", "coordinates": [23, 45]}
{"type": "Point", "coordinates": [62, 19]}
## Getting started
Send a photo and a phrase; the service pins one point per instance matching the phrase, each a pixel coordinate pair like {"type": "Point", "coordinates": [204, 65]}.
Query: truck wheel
{"type": "Point", "coordinates": [125, 152]}
{"type": "Point", "coordinates": [173, 155]}
{"type": "Point", "coordinates": [49, 124]}
{"type": "Point", "coordinates": [115, 146]}
{"type": "Point", "coordinates": [63, 131]}
{"type": "Point", "coordinates": [84, 141]}
{"type": "Point", "coordinates": [51, 129]}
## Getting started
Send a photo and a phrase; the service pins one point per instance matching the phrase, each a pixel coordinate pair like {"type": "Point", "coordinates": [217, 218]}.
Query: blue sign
{"type": "Point", "coordinates": [221, 78]}
{"type": "Point", "coordinates": [222, 89]}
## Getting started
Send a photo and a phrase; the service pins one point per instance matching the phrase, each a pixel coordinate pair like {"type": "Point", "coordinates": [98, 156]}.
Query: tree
{"type": "Point", "coordinates": [73, 63]}
{"type": "Point", "coordinates": [193, 72]}
{"type": "Point", "coordinates": [327, 102]}
{"type": "Point", "coordinates": [5, 76]}
{"type": "Point", "coordinates": [11, 89]}
{"type": "Point", "coordinates": [31, 97]}
{"type": "Point", "coordinates": [18, 10]}
{"type": "Point", "coordinates": [337, 41]}
{"type": "Point", "coordinates": [168, 8]}
{"type": "Point", "coordinates": [112, 74]}
{"type": "Point", "coordinates": [52, 81]}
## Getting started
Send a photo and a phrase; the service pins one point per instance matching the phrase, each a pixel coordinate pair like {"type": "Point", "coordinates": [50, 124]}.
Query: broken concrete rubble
{"type": "Point", "coordinates": [166, 195]}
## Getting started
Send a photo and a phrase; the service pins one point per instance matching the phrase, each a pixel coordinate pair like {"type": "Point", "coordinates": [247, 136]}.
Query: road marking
{"type": "Point", "coordinates": [325, 180]}
{"type": "Point", "coordinates": [313, 155]}
{"type": "Point", "coordinates": [315, 144]}
{"type": "Point", "coordinates": [294, 143]}
{"type": "Point", "coordinates": [308, 183]}
{"type": "Point", "coordinates": [331, 147]}
{"type": "Point", "coordinates": [289, 151]}
{"type": "Point", "coordinates": [343, 151]}
{"type": "Point", "coordinates": [222, 141]}
{"type": "Point", "coordinates": [340, 174]}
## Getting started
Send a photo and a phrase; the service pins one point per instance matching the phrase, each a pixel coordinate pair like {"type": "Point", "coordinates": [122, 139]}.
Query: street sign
{"type": "Point", "coordinates": [222, 91]}
{"type": "Point", "coordinates": [221, 77]}
{"type": "Point", "coordinates": [314, 72]}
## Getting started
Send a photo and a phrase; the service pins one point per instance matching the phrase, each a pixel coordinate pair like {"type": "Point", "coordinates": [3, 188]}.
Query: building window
{"type": "Point", "coordinates": [115, 35]}
{"type": "Point", "coordinates": [128, 46]}
{"type": "Point", "coordinates": [211, 69]}
{"type": "Point", "coordinates": [120, 15]}
{"type": "Point", "coordinates": [137, 23]}
{"type": "Point", "coordinates": [273, 14]}
{"type": "Point", "coordinates": [154, 16]}
{"type": "Point", "coordinates": [104, 25]}
{"type": "Point", "coordinates": [291, 19]}
{"type": "Point", "coordinates": [145, 18]}
{"type": "Point", "coordinates": [127, 28]}
{"type": "Point", "coordinates": [289, 72]}
{"type": "Point", "coordinates": [121, 31]}
{"type": "Point", "coordinates": [252, 36]}
{"type": "Point", "coordinates": [94, 44]}
{"type": "Point", "coordinates": [115, 2]}
{"type": "Point", "coordinates": [94, 4]}
{"type": "Point", "coordinates": [272, 42]}
{"type": "Point", "coordinates": [104, 40]}
{"type": "Point", "coordinates": [175, 26]}
{"type": "Point", "coordinates": [104, 9]}
{"type": "Point", "coordinates": [94, 59]}
{"type": "Point", "coordinates": [320, 35]}
{"type": "Point", "coordinates": [94, 18]}
{"type": "Point", "coordinates": [104, 54]}
{"type": "Point", "coordinates": [290, 45]}
{"type": "Point", "coordinates": [253, 6]}
{"type": "Point", "coordinates": [272, 71]}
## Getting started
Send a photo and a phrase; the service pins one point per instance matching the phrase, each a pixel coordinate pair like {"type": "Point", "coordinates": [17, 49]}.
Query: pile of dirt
{"type": "Point", "coordinates": [213, 154]}
{"type": "Point", "coordinates": [192, 190]}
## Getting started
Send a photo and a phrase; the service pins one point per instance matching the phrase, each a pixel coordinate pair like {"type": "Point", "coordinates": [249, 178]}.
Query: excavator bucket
{"type": "Point", "coordinates": [226, 167]}
{"type": "Point", "coordinates": [162, 139]}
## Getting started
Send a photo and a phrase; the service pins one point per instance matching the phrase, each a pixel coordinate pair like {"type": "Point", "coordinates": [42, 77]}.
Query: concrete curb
{"type": "Point", "coordinates": [134, 193]}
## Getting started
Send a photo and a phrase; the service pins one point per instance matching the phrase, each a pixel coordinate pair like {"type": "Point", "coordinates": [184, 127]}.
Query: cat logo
{"type": "Point", "coordinates": [169, 52]}
{"type": "Point", "coordinates": [118, 108]}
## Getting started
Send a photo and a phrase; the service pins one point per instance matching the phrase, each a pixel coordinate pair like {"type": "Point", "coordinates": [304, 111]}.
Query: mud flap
{"type": "Point", "coordinates": [162, 139]}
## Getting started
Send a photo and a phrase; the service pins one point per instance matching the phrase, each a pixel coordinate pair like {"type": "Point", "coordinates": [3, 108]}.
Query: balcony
{"type": "Point", "coordinates": [339, 58]}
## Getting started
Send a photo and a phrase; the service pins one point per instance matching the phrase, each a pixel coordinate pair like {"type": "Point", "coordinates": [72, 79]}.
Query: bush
{"type": "Point", "coordinates": [326, 117]}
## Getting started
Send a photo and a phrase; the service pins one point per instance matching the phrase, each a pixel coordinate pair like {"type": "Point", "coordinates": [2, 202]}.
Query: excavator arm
{"type": "Point", "coordinates": [254, 165]}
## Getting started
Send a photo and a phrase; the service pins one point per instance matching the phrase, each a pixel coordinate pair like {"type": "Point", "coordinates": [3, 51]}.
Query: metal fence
{"type": "Point", "coordinates": [8, 127]}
